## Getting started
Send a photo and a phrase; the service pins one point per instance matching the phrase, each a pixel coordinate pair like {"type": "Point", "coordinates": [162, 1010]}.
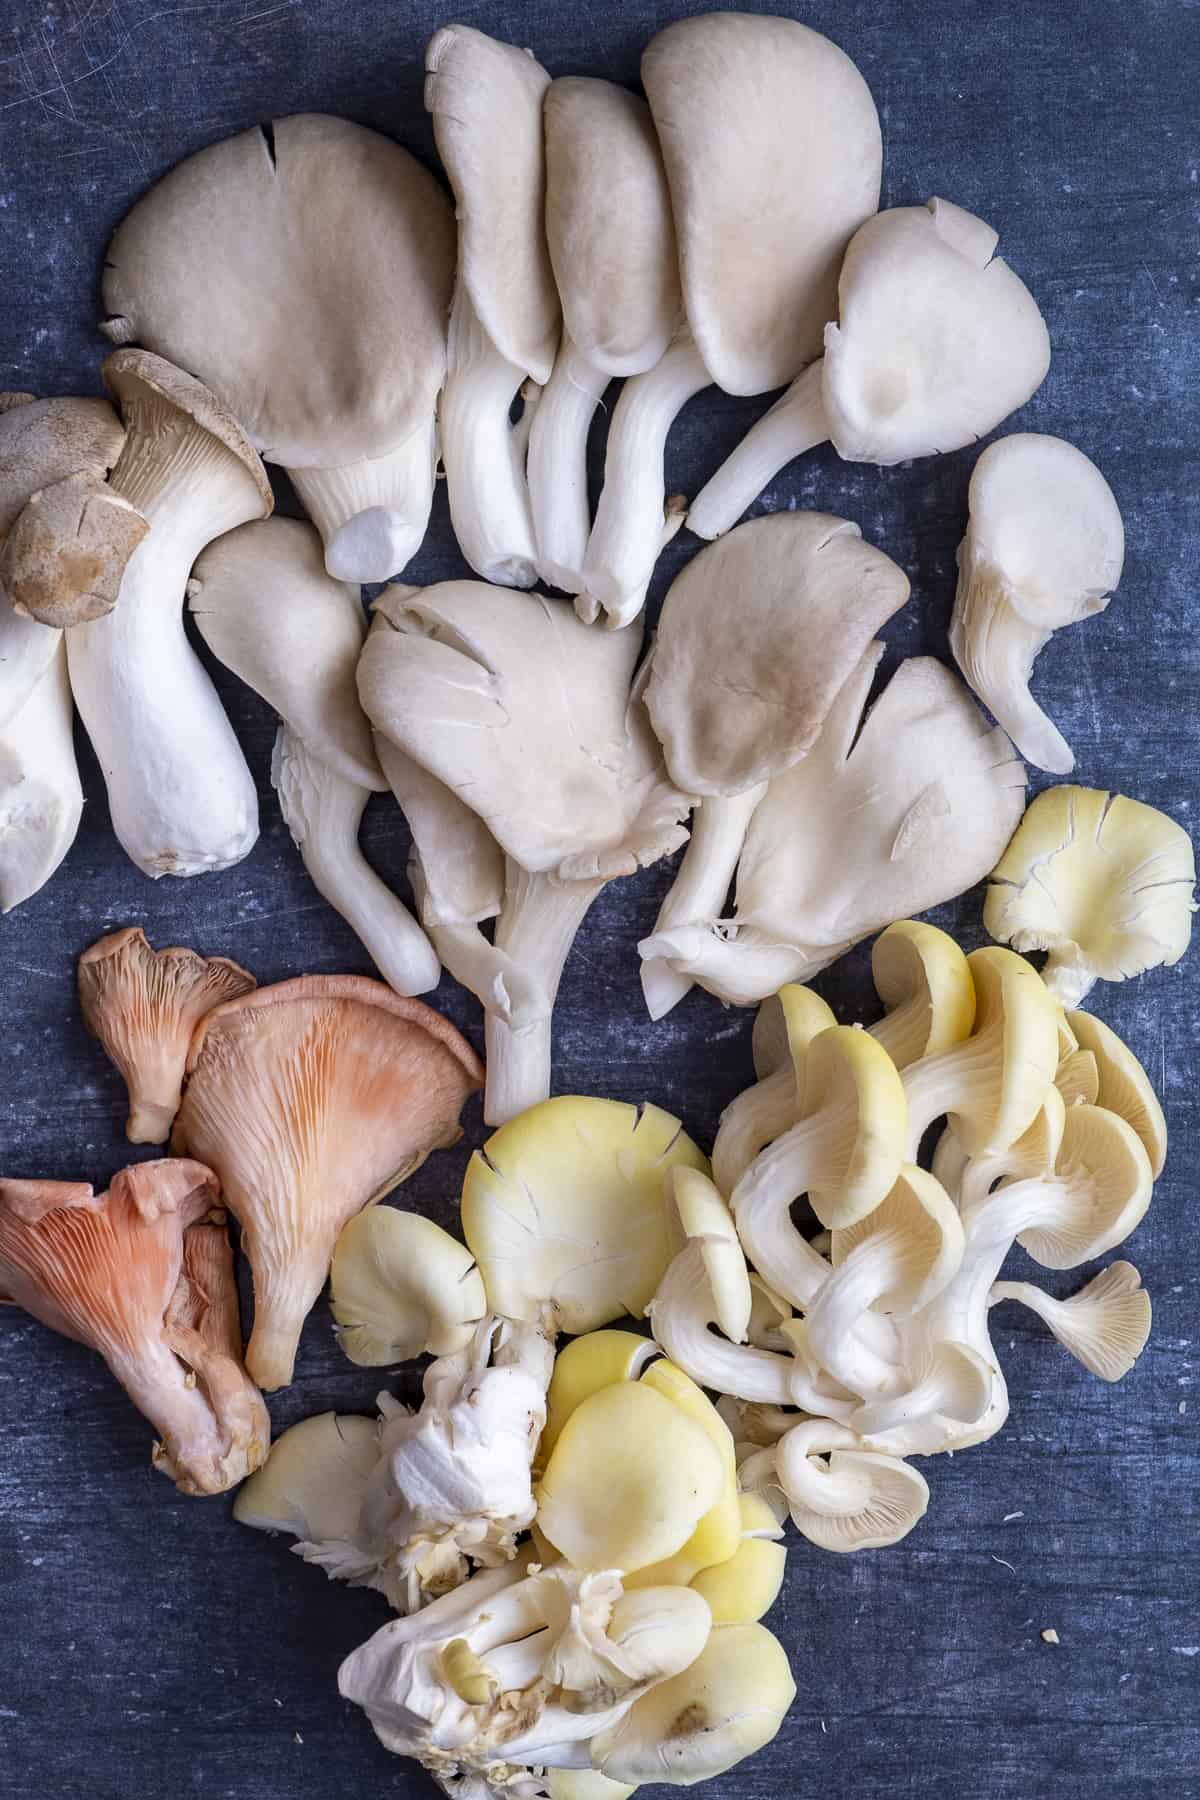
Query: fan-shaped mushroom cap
{"type": "Point", "coordinates": [1035, 1153]}
{"type": "Point", "coordinates": [936, 339]}
{"type": "Point", "coordinates": [718, 1532]}
{"type": "Point", "coordinates": [1044, 548]}
{"type": "Point", "coordinates": [925, 1247]}
{"type": "Point", "coordinates": [1104, 1326]}
{"type": "Point", "coordinates": [705, 1218]}
{"type": "Point", "coordinates": [584, 1366]}
{"type": "Point", "coordinates": [485, 98]}
{"type": "Point", "coordinates": [681, 1312]}
{"type": "Point", "coordinates": [401, 1287]}
{"type": "Point", "coordinates": [991, 1085]}
{"type": "Point", "coordinates": [1101, 1190]}
{"type": "Point", "coordinates": [772, 148]}
{"type": "Point", "coordinates": [758, 635]}
{"type": "Point", "coordinates": [728, 1704]}
{"type": "Point", "coordinates": [842, 1496]}
{"type": "Point", "coordinates": [144, 1005]}
{"type": "Point", "coordinates": [311, 1099]}
{"type": "Point", "coordinates": [144, 1275]}
{"type": "Point", "coordinates": [785, 1025]}
{"type": "Point", "coordinates": [924, 982]}
{"type": "Point", "coordinates": [1123, 1086]}
{"type": "Point", "coordinates": [1103, 883]}
{"type": "Point", "coordinates": [313, 1480]}
{"type": "Point", "coordinates": [41, 798]}
{"type": "Point", "coordinates": [568, 1213]}
{"type": "Point", "coordinates": [952, 1381]}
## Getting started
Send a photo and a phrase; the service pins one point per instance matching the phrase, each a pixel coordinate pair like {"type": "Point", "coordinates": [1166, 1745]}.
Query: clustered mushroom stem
{"type": "Point", "coordinates": [558, 488]}
{"type": "Point", "coordinates": [701, 884]}
{"type": "Point", "coordinates": [762, 1203]}
{"type": "Point", "coordinates": [842, 1306]}
{"type": "Point", "coordinates": [794, 424]}
{"type": "Point", "coordinates": [812, 1483]}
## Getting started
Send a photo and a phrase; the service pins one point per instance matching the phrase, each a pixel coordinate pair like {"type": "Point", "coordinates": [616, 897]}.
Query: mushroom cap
{"type": "Point", "coordinates": [728, 1704]}
{"type": "Point", "coordinates": [1014, 1008]}
{"type": "Point", "coordinates": [63, 561]}
{"type": "Point", "coordinates": [741, 1590]}
{"type": "Point", "coordinates": [855, 1499]}
{"type": "Point", "coordinates": [1046, 525]}
{"type": "Point", "coordinates": [926, 1236]}
{"type": "Point", "coordinates": [313, 1480]}
{"type": "Point", "coordinates": [750, 106]}
{"type": "Point", "coordinates": [485, 98]}
{"type": "Point", "coordinates": [596, 1360]}
{"type": "Point", "coordinates": [628, 1481]}
{"type": "Point", "coordinates": [924, 982]}
{"type": "Point", "coordinates": [1104, 1185]}
{"type": "Point", "coordinates": [851, 1079]}
{"type": "Point", "coordinates": [138, 378]}
{"type": "Point", "coordinates": [785, 1025]}
{"type": "Point", "coordinates": [609, 225]}
{"type": "Point", "coordinates": [313, 1098]}
{"type": "Point", "coordinates": [704, 1215]}
{"type": "Point", "coordinates": [1104, 883]}
{"type": "Point", "coordinates": [401, 1287]}
{"type": "Point", "coordinates": [1123, 1086]}
{"type": "Point", "coordinates": [1105, 1325]}
{"type": "Point", "coordinates": [567, 1210]}
{"type": "Point", "coordinates": [757, 636]}
{"type": "Point", "coordinates": [267, 609]}
{"type": "Point", "coordinates": [719, 1532]}
{"type": "Point", "coordinates": [937, 339]}
{"type": "Point", "coordinates": [43, 442]}
{"type": "Point", "coordinates": [585, 1784]}
{"type": "Point", "coordinates": [303, 271]}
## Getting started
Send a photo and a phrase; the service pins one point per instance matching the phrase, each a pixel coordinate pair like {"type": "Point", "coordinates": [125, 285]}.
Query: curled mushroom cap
{"type": "Point", "coordinates": [311, 1099]}
{"type": "Point", "coordinates": [1122, 1085]}
{"type": "Point", "coordinates": [843, 1496]}
{"type": "Point", "coordinates": [320, 325]}
{"type": "Point", "coordinates": [1100, 1190]}
{"type": "Point", "coordinates": [144, 1005]}
{"type": "Point", "coordinates": [401, 1287]}
{"type": "Point", "coordinates": [567, 1212]}
{"type": "Point", "coordinates": [924, 982]}
{"type": "Point", "coordinates": [757, 636]}
{"type": "Point", "coordinates": [1104, 1326]}
{"type": "Point", "coordinates": [312, 1486]}
{"type": "Point", "coordinates": [741, 1590]}
{"type": "Point", "coordinates": [41, 798]}
{"type": "Point", "coordinates": [1104, 884]}
{"type": "Point", "coordinates": [1044, 548]}
{"type": "Point", "coordinates": [144, 1275]}
{"type": "Point", "coordinates": [784, 1028]}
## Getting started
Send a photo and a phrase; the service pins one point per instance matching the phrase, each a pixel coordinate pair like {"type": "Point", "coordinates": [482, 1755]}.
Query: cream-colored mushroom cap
{"type": "Point", "coordinates": [401, 1287]}
{"type": "Point", "coordinates": [1123, 1086]}
{"type": "Point", "coordinates": [585, 1784]}
{"type": "Point", "coordinates": [628, 1481]}
{"type": "Point", "coordinates": [785, 1025]}
{"type": "Point", "coordinates": [843, 1497]}
{"type": "Point", "coordinates": [718, 1532]}
{"type": "Point", "coordinates": [313, 1480]}
{"type": "Point", "coordinates": [936, 341]}
{"type": "Point", "coordinates": [1104, 1326]}
{"type": "Point", "coordinates": [1104, 884]}
{"type": "Point", "coordinates": [567, 1210]}
{"type": "Point", "coordinates": [596, 1360]}
{"type": "Point", "coordinates": [705, 1216]}
{"type": "Point", "coordinates": [853, 1084]}
{"type": "Point", "coordinates": [1102, 1189]}
{"type": "Point", "coordinates": [757, 636]}
{"type": "Point", "coordinates": [924, 1237]}
{"type": "Point", "coordinates": [750, 105]}
{"type": "Point", "coordinates": [728, 1704]}
{"type": "Point", "coordinates": [1034, 1153]}
{"type": "Point", "coordinates": [924, 982]}
{"type": "Point", "coordinates": [745, 1587]}
{"type": "Point", "coordinates": [949, 1381]}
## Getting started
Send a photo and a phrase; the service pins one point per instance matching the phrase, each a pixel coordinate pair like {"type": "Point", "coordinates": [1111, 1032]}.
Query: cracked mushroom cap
{"type": "Point", "coordinates": [1104, 884]}
{"type": "Point", "coordinates": [924, 982]}
{"type": "Point", "coordinates": [750, 105]}
{"type": "Point", "coordinates": [402, 1287]}
{"type": "Point", "coordinates": [312, 1099]}
{"type": "Point", "coordinates": [143, 1005]}
{"type": "Point", "coordinates": [1122, 1085]}
{"type": "Point", "coordinates": [758, 635]}
{"type": "Point", "coordinates": [567, 1210]}
{"type": "Point", "coordinates": [43, 442]}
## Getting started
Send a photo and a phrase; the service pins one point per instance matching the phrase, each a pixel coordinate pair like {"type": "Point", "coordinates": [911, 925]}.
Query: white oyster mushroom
{"type": "Point", "coordinates": [1044, 548]}
{"type": "Point", "coordinates": [311, 1487]}
{"type": "Point", "coordinates": [401, 1287]}
{"type": "Point", "coordinates": [41, 799]}
{"type": "Point", "coordinates": [1104, 1326]}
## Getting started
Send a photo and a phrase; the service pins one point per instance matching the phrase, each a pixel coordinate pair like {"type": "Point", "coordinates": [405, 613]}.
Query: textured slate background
{"type": "Point", "coordinates": [148, 1643]}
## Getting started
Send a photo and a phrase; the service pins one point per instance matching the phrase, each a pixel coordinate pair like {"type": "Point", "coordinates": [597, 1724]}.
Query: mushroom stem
{"type": "Point", "coordinates": [558, 486]}
{"type": "Point", "coordinates": [749, 1123]}
{"type": "Point", "coordinates": [323, 811]}
{"type": "Point", "coordinates": [935, 1084]}
{"type": "Point", "coordinates": [536, 928]}
{"type": "Point", "coordinates": [628, 533]}
{"type": "Point", "coordinates": [700, 888]}
{"type": "Point", "coordinates": [835, 1319]}
{"type": "Point", "coordinates": [816, 1485]}
{"type": "Point", "coordinates": [681, 1313]}
{"type": "Point", "coordinates": [956, 1383]}
{"type": "Point", "coordinates": [481, 454]}
{"type": "Point", "coordinates": [41, 799]}
{"type": "Point", "coordinates": [794, 424]}
{"type": "Point", "coordinates": [27, 648]}
{"type": "Point", "coordinates": [996, 649]}
{"type": "Point", "coordinates": [372, 514]}
{"type": "Point", "coordinates": [737, 963]}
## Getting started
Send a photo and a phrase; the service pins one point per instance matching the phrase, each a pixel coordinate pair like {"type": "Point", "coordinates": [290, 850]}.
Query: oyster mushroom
{"type": "Point", "coordinates": [401, 1287]}
{"type": "Point", "coordinates": [312, 1099]}
{"type": "Point", "coordinates": [842, 1496]}
{"type": "Point", "coordinates": [41, 798]}
{"type": "Point", "coordinates": [771, 1106]}
{"type": "Point", "coordinates": [1122, 1085]}
{"type": "Point", "coordinates": [311, 1487]}
{"type": "Point", "coordinates": [144, 1274]}
{"type": "Point", "coordinates": [144, 1005]}
{"type": "Point", "coordinates": [1104, 1326]}
{"type": "Point", "coordinates": [924, 982]}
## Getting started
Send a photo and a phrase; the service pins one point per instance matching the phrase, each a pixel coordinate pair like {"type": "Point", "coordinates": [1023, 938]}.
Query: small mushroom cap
{"type": "Point", "coordinates": [785, 1025]}
{"type": "Point", "coordinates": [950, 1382]}
{"type": "Point", "coordinates": [704, 1215]}
{"type": "Point", "coordinates": [758, 635]}
{"type": "Point", "coordinates": [64, 558]}
{"type": "Point", "coordinates": [1103, 1190]}
{"type": "Point", "coordinates": [630, 1478]}
{"type": "Point", "coordinates": [728, 1704]}
{"type": "Point", "coordinates": [844, 1497]}
{"type": "Point", "coordinates": [485, 98]}
{"type": "Point", "coordinates": [567, 1210]}
{"type": "Point", "coordinates": [401, 1287]}
{"type": "Point", "coordinates": [313, 1480]}
{"type": "Point", "coordinates": [146, 384]}
{"type": "Point", "coordinates": [746, 1587]}
{"type": "Point", "coordinates": [751, 105]}
{"type": "Point", "coordinates": [1104, 1326]}
{"type": "Point", "coordinates": [1015, 1012]}
{"type": "Point", "coordinates": [43, 442]}
{"type": "Point", "coordinates": [1045, 524]}
{"type": "Point", "coordinates": [1104, 883]}
{"type": "Point", "coordinates": [585, 1784]}
{"type": "Point", "coordinates": [924, 982]}
{"type": "Point", "coordinates": [937, 339]}
{"type": "Point", "coordinates": [321, 324]}
{"type": "Point", "coordinates": [1122, 1085]}
{"type": "Point", "coordinates": [719, 1533]}
{"type": "Point", "coordinates": [849, 1078]}
{"type": "Point", "coordinates": [267, 609]}
{"type": "Point", "coordinates": [591, 1362]}
{"type": "Point", "coordinates": [609, 225]}
{"type": "Point", "coordinates": [925, 1238]}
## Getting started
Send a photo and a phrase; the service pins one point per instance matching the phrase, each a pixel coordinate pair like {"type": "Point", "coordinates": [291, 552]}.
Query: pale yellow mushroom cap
{"type": "Point", "coordinates": [630, 1478]}
{"type": "Point", "coordinates": [1123, 1086]}
{"type": "Point", "coordinates": [842, 1496]}
{"type": "Point", "coordinates": [852, 1079]}
{"type": "Point", "coordinates": [567, 1211]}
{"type": "Point", "coordinates": [585, 1784]}
{"type": "Point", "coordinates": [1104, 1326]}
{"type": "Point", "coordinates": [402, 1287]}
{"type": "Point", "coordinates": [705, 1216]}
{"type": "Point", "coordinates": [596, 1360]}
{"type": "Point", "coordinates": [923, 980]}
{"type": "Point", "coordinates": [744, 1588]}
{"type": "Point", "coordinates": [719, 1533]}
{"type": "Point", "coordinates": [1103, 1188]}
{"type": "Point", "coordinates": [312, 1482]}
{"type": "Point", "coordinates": [1078, 1078]}
{"type": "Point", "coordinates": [924, 1238]}
{"type": "Point", "coordinates": [785, 1025]}
{"type": "Point", "coordinates": [728, 1704]}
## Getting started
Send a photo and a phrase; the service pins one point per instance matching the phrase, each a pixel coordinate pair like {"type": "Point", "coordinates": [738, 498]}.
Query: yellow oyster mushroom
{"type": "Point", "coordinates": [719, 1533]}
{"type": "Point", "coordinates": [584, 1366]}
{"type": "Point", "coordinates": [1122, 1085]}
{"type": "Point", "coordinates": [785, 1025]}
{"type": "Point", "coordinates": [401, 1287]}
{"type": "Point", "coordinates": [924, 982]}
{"type": "Point", "coordinates": [585, 1784]}
{"type": "Point", "coordinates": [740, 1590]}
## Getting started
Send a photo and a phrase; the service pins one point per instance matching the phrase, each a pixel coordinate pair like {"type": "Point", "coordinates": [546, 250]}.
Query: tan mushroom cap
{"type": "Point", "coordinates": [485, 98]}
{"type": "Point", "coordinates": [64, 558]}
{"type": "Point", "coordinates": [321, 323]}
{"type": "Point", "coordinates": [313, 1098]}
{"type": "Point", "coordinates": [925, 1240]}
{"type": "Point", "coordinates": [46, 441]}
{"type": "Point", "coordinates": [139, 379]}
{"type": "Point", "coordinates": [1102, 1190]}
{"type": "Point", "coordinates": [750, 105]}
{"type": "Point", "coordinates": [924, 982]}
{"type": "Point", "coordinates": [1123, 1085]}
{"type": "Point", "coordinates": [757, 637]}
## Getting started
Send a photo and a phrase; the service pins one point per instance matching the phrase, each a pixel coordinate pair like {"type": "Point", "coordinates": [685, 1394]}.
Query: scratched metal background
{"type": "Point", "coordinates": [148, 1644]}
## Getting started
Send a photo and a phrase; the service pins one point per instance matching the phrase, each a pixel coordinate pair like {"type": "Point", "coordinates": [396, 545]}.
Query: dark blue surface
{"type": "Point", "coordinates": [147, 1644]}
